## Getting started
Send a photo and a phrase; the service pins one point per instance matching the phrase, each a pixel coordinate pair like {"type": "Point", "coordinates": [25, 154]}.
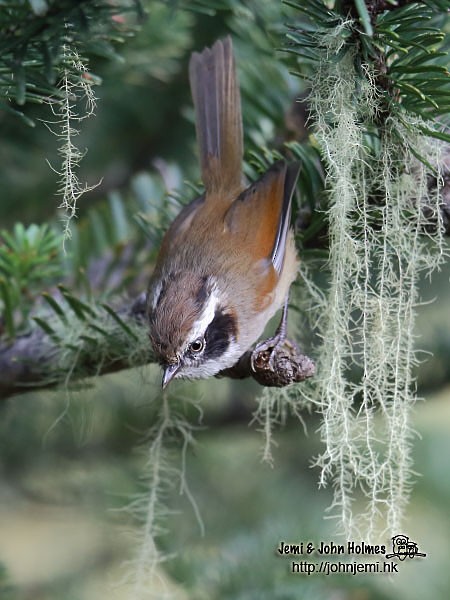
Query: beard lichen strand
{"type": "Point", "coordinates": [407, 191]}
{"type": "Point", "coordinates": [161, 449]}
{"type": "Point", "coordinates": [368, 316]}
{"type": "Point", "coordinates": [340, 138]}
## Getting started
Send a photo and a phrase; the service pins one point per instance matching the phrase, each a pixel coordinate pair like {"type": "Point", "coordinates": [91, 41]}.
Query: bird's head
{"type": "Point", "coordinates": [192, 330]}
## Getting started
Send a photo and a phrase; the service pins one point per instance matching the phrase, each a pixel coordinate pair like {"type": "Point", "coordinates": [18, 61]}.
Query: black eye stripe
{"type": "Point", "coordinates": [219, 334]}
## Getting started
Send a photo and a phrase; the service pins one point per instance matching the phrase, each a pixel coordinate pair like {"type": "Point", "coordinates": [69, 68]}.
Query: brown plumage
{"type": "Point", "coordinates": [215, 91]}
{"type": "Point", "coordinates": [227, 261]}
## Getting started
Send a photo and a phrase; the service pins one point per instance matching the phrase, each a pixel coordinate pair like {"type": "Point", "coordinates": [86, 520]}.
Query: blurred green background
{"type": "Point", "coordinates": [71, 462]}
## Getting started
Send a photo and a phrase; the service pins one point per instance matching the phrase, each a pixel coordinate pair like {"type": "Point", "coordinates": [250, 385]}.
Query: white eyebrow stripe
{"type": "Point", "coordinates": [201, 325]}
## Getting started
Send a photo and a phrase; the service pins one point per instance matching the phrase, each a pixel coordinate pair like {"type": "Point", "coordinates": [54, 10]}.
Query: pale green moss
{"type": "Point", "coordinates": [378, 248]}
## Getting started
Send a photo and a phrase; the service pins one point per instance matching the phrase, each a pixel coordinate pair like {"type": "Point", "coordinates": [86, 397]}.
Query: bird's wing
{"type": "Point", "coordinates": [260, 217]}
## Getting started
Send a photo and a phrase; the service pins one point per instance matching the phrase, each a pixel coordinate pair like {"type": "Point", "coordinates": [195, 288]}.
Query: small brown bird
{"type": "Point", "coordinates": [228, 259]}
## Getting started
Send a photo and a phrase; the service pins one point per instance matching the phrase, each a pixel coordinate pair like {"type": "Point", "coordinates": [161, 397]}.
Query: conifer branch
{"type": "Point", "coordinates": [43, 359]}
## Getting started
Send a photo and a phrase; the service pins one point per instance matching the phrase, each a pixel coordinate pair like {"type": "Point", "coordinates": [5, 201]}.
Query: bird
{"type": "Point", "coordinates": [228, 259]}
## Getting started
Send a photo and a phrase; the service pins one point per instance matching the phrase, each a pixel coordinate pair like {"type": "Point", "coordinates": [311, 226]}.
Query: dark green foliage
{"type": "Point", "coordinates": [28, 263]}
{"type": "Point", "coordinates": [406, 48]}
{"type": "Point", "coordinates": [33, 36]}
{"type": "Point", "coordinates": [81, 327]}
{"type": "Point", "coordinates": [70, 326]}
{"type": "Point", "coordinates": [416, 51]}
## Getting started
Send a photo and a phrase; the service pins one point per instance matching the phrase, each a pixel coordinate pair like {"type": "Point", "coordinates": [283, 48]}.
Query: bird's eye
{"type": "Point", "coordinates": [197, 346]}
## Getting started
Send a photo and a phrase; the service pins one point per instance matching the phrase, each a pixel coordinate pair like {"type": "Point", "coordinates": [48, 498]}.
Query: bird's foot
{"type": "Point", "coordinates": [270, 347]}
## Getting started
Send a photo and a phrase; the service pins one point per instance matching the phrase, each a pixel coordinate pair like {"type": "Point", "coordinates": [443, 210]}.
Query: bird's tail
{"type": "Point", "coordinates": [217, 102]}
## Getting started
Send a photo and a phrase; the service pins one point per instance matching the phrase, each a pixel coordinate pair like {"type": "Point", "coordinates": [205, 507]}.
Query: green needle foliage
{"type": "Point", "coordinates": [33, 36]}
{"type": "Point", "coordinates": [45, 46]}
{"type": "Point", "coordinates": [27, 266]}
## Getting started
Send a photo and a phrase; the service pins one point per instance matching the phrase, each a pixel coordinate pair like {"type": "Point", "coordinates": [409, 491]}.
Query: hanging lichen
{"type": "Point", "coordinates": [76, 86]}
{"type": "Point", "coordinates": [379, 245]}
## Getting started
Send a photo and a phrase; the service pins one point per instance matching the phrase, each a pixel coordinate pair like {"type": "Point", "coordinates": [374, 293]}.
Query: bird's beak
{"type": "Point", "coordinates": [169, 373]}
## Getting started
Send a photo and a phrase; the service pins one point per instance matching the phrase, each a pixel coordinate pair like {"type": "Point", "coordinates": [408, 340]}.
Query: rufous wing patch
{"type": "Point", "coordinates": [255, 217]}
